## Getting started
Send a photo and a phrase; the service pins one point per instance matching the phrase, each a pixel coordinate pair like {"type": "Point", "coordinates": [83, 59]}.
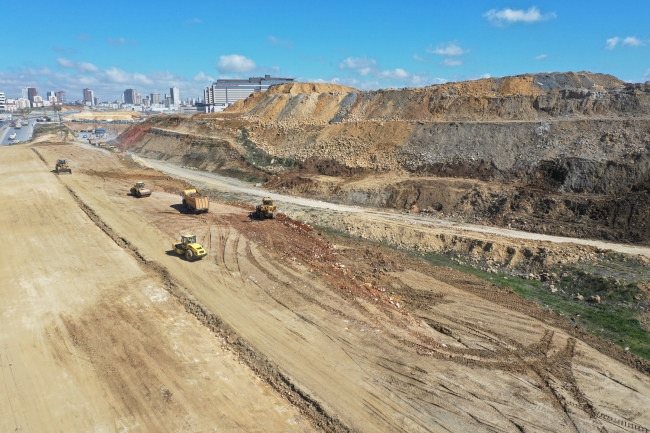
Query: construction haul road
{"type": "Point", "coordinates": [104, 328]}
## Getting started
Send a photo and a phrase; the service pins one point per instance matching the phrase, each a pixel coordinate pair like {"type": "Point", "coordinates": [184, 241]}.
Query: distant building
{"type": "Point", "coordinates": [175, 95]}
{"type": "Point", "coordinates": [52, 99]}
{"type": "Point", "coordinates": [31, 94]}
{"type": "Point", "coordinates": [37, 101]}
{"type": "Point", "coordinates": [10, 105]}
{"type": "Point", "coordinates": [25, 93]}
{"type": "Point", "coordinates": [130, 96]}
{"type": "Point", "coordinates": [60, 96]}
{"type": "Point", "coordinates": [155, 98]}
{"type": "Point", "coordinates": [48, 94]}
{"type": "Point", "coordinates": [3, 103]}
{"type": "Point", "coordinates": [96, 100]}
{"type": "Point", "coordinates": [89, 97]}
{"type": "Point", "coordinates": [22, 103]}
{"type": "Point", "coordinates": [226, 92]}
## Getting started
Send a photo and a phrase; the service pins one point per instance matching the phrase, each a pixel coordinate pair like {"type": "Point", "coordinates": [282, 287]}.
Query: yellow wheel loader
{"type": "Point", "coordinates": [266, 209]}
{"type": "Point", "coordinates": [62, 166]}
{"type": "Point", "coordinates": [189, 248]}
{"type": "Point", "coordinates": [139, 190]}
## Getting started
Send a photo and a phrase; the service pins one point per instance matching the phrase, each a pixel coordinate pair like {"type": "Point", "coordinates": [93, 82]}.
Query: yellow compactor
{"type": "Point", "coordinates": [189, 248]}
{"type": "Point", "coordinates": [139, 190]}
{"type": "Point", "coordinates": [62, 166]}
{"type": "Point", "coordinates": [265, 210]}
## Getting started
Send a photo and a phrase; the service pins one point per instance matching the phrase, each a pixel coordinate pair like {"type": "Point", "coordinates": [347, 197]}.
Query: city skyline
{"type": "Point", "coordinates": [416, 44]}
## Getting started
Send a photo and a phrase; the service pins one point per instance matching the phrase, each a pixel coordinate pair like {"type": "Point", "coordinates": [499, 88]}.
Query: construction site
{"type": "Point", "coordinates": [470, 256]}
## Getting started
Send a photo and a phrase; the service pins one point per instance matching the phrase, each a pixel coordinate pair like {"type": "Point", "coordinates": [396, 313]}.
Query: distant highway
{"type": "Point", "coordinates": [23, 134]}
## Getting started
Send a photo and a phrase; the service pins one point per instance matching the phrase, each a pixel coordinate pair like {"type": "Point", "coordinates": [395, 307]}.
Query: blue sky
{"type": "Point", "coordinates": [113, 45]}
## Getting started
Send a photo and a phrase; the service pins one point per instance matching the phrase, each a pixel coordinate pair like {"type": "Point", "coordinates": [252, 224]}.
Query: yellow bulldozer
{"type": "Point", "coordinates": [62, 166]}
{"type": "Point", "coordinates": [189, 248]}
{"type": "Point", "coordinates": [139, 190]}
{"type": "Point", "coordinates": [266, 209]}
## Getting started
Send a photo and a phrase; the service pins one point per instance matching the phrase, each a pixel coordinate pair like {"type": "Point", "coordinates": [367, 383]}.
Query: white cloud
{"type": "Point", "coordinates": [395, 74]}
{"type": "Point", "coordinates": [541, 57]}
{"type": "Point", "coordinates": [358, 84]}
{"type": "Point", "coordinates": [646, 77]}
{"type": "Point", "coordinates": [82, 67]}
{"type": "Point", "coordinates": [611, 43]}
{"type": "Point", "coordinates": [451, 62]}
{"type": "Point", "coordinates": [120, 41]}
{"type": "Point", "coordinates": [417, 58]}
{"type": "Point", "coordinates": [358, 63]}
{"type": "Point", "coordinates": [369, 67]}
{"type": "Point", "coordinates": [447, 49]}
{"type": "Point", "coordinates": [235, 63]}
{"type": "Point", "coordinates": [108, 84]}
{"type": "Point", "coordinates": [203, 77]}
{"type": "Point", "coordinates": [631, 41]}
{"type": "Point", "coordinates": [280, 42]}
{"type": "Point", "coordinates": [192, 21]}
{"type": "Point", "coordinates": [508, 16]}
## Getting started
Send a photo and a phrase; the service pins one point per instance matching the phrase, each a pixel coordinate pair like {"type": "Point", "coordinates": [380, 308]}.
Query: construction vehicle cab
{"type": "Point", "coordinates": [189, 248]}
{"type": "Point", "coordinates": [62, 166]}
{"type": "Point", "coordinates": [266, 209]}
{"type": "Point", "coordinates": [140, 190]}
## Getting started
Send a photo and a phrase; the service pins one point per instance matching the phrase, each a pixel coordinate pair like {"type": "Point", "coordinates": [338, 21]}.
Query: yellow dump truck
{"type": "Point", "coordinates": [194, 201]}
{"type": "Point", "coordinates": [266, 209]}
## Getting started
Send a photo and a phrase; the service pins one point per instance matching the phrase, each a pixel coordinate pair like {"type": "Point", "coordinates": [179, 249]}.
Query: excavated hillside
{"type": "Point", "coordinates": [557, 153]}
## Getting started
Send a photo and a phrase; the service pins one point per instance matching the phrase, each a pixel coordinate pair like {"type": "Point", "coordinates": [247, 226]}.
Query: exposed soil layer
{"type": "Point", "coordinates": [572, 148]}
{"type": "Point", "coordinates": [357, 337]}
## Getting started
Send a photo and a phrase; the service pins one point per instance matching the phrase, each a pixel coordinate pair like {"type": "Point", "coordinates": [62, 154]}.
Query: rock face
{"type": "Point", "coordinates": [559, 153]}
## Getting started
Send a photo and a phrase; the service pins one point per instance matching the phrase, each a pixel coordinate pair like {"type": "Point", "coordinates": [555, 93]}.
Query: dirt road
{"type": "Point", "coordinates": [359, 339]}
{"type": "Point", "coordinates": [90, 340]}
{"type": "Point", "coordinates": [215, 181]}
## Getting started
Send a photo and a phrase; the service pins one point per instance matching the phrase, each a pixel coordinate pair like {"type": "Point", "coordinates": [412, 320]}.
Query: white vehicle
{"type": "Point", "coordinates": [12, 136]}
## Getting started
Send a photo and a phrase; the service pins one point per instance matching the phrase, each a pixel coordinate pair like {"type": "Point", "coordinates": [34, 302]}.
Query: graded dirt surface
{"type": "Point", "coordinates": [564, 154]}
{"type": "Point", "coordinates": [357, 337]}
{"type": "Point", "coordinates": [105, 115]}
{"type": "Point", "coordinates": [90, 340]}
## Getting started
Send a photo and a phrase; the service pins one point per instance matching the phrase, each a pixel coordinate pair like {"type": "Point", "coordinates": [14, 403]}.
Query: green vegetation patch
{"type": "Point", "coordinates": [615, 318]}
{"type": "Point", "coordinates": [259, 158]}
{"type": "Point", "coordinates": [49, 129]}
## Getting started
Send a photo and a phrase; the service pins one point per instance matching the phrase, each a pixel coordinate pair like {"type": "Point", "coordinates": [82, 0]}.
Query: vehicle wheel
{"type": "Point", "coordinates": [189, 255]}
{"type": "Point", "coordinates": [57, 171]}
{"type": "Point", "coordinates": [184, 203]}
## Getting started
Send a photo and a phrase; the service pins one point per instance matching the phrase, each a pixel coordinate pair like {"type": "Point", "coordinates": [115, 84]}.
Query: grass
{"type": "Point", "coordinates": [615, 279]}
{"type": "Point", "coordinates": [48, 129]}
{"type": "Point", "coordinates": [259, 158]}
{"type": "Point", "coordinates": [616, 319]}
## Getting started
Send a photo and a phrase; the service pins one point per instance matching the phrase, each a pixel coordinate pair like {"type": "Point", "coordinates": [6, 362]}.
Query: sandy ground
{"type": "Point", "coordinates": [91, 341]}
{"type": "Point", "coordinates": [105, 115]}
{"type": "Point", "coordinates": [94, 333]}
{"type": "Point", "coordinates": [215, 181]}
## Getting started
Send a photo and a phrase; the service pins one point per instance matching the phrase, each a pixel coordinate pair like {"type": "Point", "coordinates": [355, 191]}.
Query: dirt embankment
{"type": "Point", "coordinates": [532, 149]}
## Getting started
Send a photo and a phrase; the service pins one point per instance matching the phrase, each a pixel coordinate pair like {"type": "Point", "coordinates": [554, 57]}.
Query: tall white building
{"type": "Point", "coordinates": [226, 92]}
{"type": "Point", "coordinates": [25, 93]}
{"type": "Point", "coordinates": [3, 103]}
{"type": "Point", "coordinates": [175, 95]}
